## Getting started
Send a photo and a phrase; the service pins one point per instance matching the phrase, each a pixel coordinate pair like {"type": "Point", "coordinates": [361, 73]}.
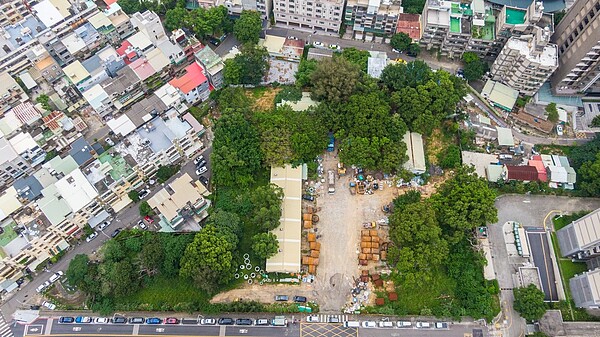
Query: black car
{"type": "Point", "coordinates": [116, 232]}
{"type": "Point", "coordinates": [66, 320]}
{"type": "Point", "coordinates": [120, 320]}
{"type": "Point", "coordinates": [225, 321]}
{"type": "Point", "coordinates": [299, 299]}
{"type": "Point", "coordinates": [243, 321]}
{"type": "Point", "coordinates": [137, 320]}
{"type": "Point", "coordinates": [204, 181]}
{"type": "Point", "coordinates": [308, 197]}
{"type": "Point", "coordinates": [201, 163]}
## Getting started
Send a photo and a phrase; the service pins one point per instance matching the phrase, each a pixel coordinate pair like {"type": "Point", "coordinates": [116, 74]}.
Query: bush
{"type": "Point", "coordinates": [288, 93]}
{"type": "Point", "coordinates": [164, 173]}
{"type": "Point", "coordinates": [134, 196]}
{"type": "Point", "coordinates": [145, 209]}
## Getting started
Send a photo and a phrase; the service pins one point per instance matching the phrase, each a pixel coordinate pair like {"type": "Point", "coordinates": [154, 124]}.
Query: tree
{"type": "Point", "coordinates": [118, 278]}
{"type": "Point", "coordinates": [400, 41]}
{"type": "Point", "coordinates": [398, 76]}
{"type": "Point", "coordinates": [416, 235]}
{"type": "Point", "coordinates": [334, 80]}
{"type": "Point", "coordinates": [265, 245]}
{"type": "Point", "coordinates": [176, 18]}
{"type": "Point", "coordinates": [208, 260]}
{"type": "Point", "coordinates": [134, 195]}
{"type": "Point", "coordinates": [357, 57]}
{"type": "Point", "coordinates": [304, 73]}
{"type": "Point", "coordinates": [248, 67]}
{"type": "Point", "coordinates": [450, 158]}
{"type": "Point", "coordinates": [595, 121]}
{"type": "Point", "coordinates": [464, 203]}
{"type": "Point", "coordinates": [558, 16]}
{"type": "Point", "coordinates": [145, 209]}
{"type": "Point", "coordinates": [589, 177]}
{"type": "Point", "coordinates": [266, 209]}
{"type": "Point", "coordinates": [151, 257]}
{"type": "Point", "coordinates": [165, 172]}
{"type": "Point", "coordinates": [529, 302]}
{"type": "Point", "coordinates": [413, 6]}
{"type": "Point", "coordinates": [78, 269]}
{"type": "Point", "coordinates": [130, 6]}
{"type": "Point", "coordinates": [227, 224]}
{"type": "Point", "coordinates": [408, 198]}
{"type": "Point", "coordinates": [474, 66]}
{"type": "Point", "coordinates": [414, 49]}
{"type": "Point", "coordinates": [552, 112]}
{"type": "Point", "coordinates": [248, 27]}
{"type": "Point", "coordinates": [44, 100]}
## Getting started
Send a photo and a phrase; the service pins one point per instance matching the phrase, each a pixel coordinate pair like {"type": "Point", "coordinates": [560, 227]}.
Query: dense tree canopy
{"type": "Point", "coordinates": [400, 75]}
{"type": "Point", "coordinates": [358, 57]}
{"type": "Point", "coordinates": [265, 245]}
{"type": "Point", "coordinates": [203, 22]}
{"type": "Point", "coordinates": [248, 67]}
{"type": "Point", "coordinates": [400, 41]}
{"type": "Point", "coordinates": [304, 73]}
{"type": "Point", "coordinates": [329, 86]}
{"type": "Point", "coordinates": [475, 67]}
{"type": "Point", "coordinates": [248, 27]}
{"type": "Point", "coordinates": [529, 302]}
{"type": "Point", "coordinates": [589, 177]}
{"type": "Point", "coordinates": [552, 112]}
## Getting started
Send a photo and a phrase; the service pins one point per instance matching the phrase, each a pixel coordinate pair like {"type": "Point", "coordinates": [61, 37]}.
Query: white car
{"type": "Point", "coordinates": [386, 324]}
{"type": "Point", "coordinates": [369, 324]}
{"type": "Point", "coordinates": [109, 141]}
{"type": "Point", "coordinates": [49, 305]}
{"type": "Point", "coordinates": [103, 225]}
{"type": "Point", "coordinates": [198, 159]}
{"type": "Point", "coordinates": [102, 320]}
{"type": "Point", "coordinates": [208, 321]}
{"type": "Point", "coordinates": [142, 225]}
{"type": "Point", "coordinates": [40, 288]}
{"type": "Point", "coordinates": [318, 44]}
{"type": "Point", "coordinates": [91, 237]}
{"type": "Point", "coordinates": [334, 47]}
{"type": "Point", "coordinates": [143, 193]}
{"type": "Point", "coordinates": [56, 276]}
{"type": "Point", "coordinates": [312, 319]}
{"type": "Point", "coordinates": [201, 170]}
{"type": "Point", "coordinates": [404, 324]}
{"type": "Point", "coordinates": [423, 325]}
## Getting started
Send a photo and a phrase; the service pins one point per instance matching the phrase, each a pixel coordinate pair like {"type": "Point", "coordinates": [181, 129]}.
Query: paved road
{"type": "Point", "coordinates": [543, 259]}
{"type": "Point", "coordinates": [530, 211]}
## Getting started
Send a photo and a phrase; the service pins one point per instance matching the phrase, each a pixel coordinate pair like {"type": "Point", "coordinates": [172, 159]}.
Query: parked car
{"type": "Point", "coordinates": [201, 170]}
{"type": "Point", "coordinates": [49, 305]}
{"type": "Point", "coordinates": [40, 288]}
{"type": "Point", "coordinates": [102, 320]}
{"type": "Point", "coordinates": [333, 319]}
{"type": "Point", "coordinates": [292, 38]}
{"type": "Point", "coordinates": [226, 321]}
{"type": "Point", "coordinates": [404, 324]}
{"type": "Point", "coordinates": [261, 321]}
{"type": "Point", "coordinates": [281, 298]}
{"type": "Point", "coordinates": [171, 320]}
{"type": "Point", "coordinates": [299, 299]}
{"type": "Point", "coordinates": [386, 324]}
{"type": "Point", "coordinates": [142, 225]}
{"type": "Point", "coordinates": [103, 225]}
{"type": "Point", "coordinates": [109, 141]}
{"type": "Point", "coordinates": [369, 324]}
{"type": "Point", "coordinates": [334, 47]}
{"type": "Point", "coordinates": [153, 320]}
{"type": "Point", "coordinates": [423, 325]}
{"type": "Point", "coordinates": [201, 163]}
{"type": "Point", "coordinates": [441, 325]}
{"type": "Point", "coordinates": [136, 320]}
{"type": "Point", "coordinates": [83, 319]}
{"type": "Point", "coordinates": [91, 237]}
{"type": "Point", "coordinates": [308, 197]}
{"type": "Point", "coordinates": [204, 181]}
{"type": "Point", "coordinates": [198, 159]}
{"type": "Point", "coordinates": [243, 321]}
{"type": "Point", "coordinates": [208, 321]}
{"type": "Point", "coordinates": [116, 232]}
{"type": "Point", "coordinates": [318, 44]}
{"type": "Point", "coordinates": [148, 220]}
{"type": "Point", "coordinates": [312, 319]}
{"type": "Point", "coordinates": [56, 276]}
{"type": "Point", "coordinates": [143, 193]}
{"type": "Point", "coordinates": [119, 320]}
{"type": "Point", "coordinates": [397, 51]}
{"type": "Point", "coordinates": [66, 319]}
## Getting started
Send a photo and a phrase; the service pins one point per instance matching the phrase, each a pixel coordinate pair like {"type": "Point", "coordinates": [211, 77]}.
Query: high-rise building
{"type": "Point", "coordinates": [309, 15]}
{"type": "Point", "coordinates": [527, 61]}
{"type": "Point", "coordinates": [235, 7]}
{"type": "Point", "coordinates": [369, 18]}
{"type": "Point", "coordinates": [578, 40]}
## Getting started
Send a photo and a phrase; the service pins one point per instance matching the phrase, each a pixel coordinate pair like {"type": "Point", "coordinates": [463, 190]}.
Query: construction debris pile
{"type": "Point", "coordinates": [362, 293]}
{"type": "Point", "coordinates": [370, 247]}
{"type": "Point", "coordinates": [311, 260]}
{"type": "Point", "coordinates": [361, 184]}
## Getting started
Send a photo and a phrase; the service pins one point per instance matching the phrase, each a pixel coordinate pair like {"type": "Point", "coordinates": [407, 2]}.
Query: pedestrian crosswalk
{"type": "Point", "coordinates": [332, 318]}
{"type": "Point", "coordinates": [5, 330]}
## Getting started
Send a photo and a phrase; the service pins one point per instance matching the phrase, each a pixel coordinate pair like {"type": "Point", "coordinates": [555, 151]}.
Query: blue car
{"type": "Point", "coordinates": [153, 320]}
{"type": "Point", "coordinates": [83, 319]}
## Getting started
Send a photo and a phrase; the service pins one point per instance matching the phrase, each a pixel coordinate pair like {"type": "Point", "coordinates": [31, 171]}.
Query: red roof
{"type": "Point", "coordinates": [122, 50]}
{"type": "Point", "coordinates": [409, 24]}
{"type": "Point", "coordinates": [192, 79]}
{"type": "Point", "coordinates": [541, 169]}
{"type": "Point", "coordinates": [52, 119]}
{"type": "Point", "coordinates": [522, 173]}
{"type": "Point", "coordinates": [142, 68]}
{"type": "Point", "coordinates": [109, 2]}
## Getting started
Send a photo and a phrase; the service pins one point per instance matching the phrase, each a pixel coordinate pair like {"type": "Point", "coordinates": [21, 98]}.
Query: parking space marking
{"type": "Point", "coordinates": [326, 330]}
{"type": "Point", "coordinates": [34, 329]}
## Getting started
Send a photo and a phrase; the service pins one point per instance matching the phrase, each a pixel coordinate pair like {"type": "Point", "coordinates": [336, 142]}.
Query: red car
{"type": "Point", "coordinates": [148, 219]}
{"type": "Point", "coordinates": [171, 320]}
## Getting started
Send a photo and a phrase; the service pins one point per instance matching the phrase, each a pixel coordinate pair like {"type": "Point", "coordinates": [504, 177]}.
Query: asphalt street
{"type": "Point", "coordinates": [530, 211]}
{"type": "Point", "coordinates": [542, 258]}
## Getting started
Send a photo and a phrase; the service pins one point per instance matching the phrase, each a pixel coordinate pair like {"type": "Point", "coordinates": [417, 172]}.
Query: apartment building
{"type": "Point", "coordinates": [235, 7]}
{"type": "Point", "coordinates": [120, 20]}
{"type": "Point", "coordinates": [527, 61]}
{"type": "Point", "coordinates": [578, 40]}
{"type": "Point", "coordinates": [149, 23]}
{"type": "Point", "coordinates": [12, 12]}
{"type": "Point", "coordinates": [309, 15]}
{"type": "Point", "coordinates": [368, 17]}
{"type": "Point", "coordinates": [11, 94]}
{"type": "Point", "coordinates": [213, 65]}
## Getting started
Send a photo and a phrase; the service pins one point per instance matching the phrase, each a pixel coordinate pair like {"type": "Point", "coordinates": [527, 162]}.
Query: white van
{"type": "Point", "coordinates": [423, 325]}
{"type": "Point", "coordinates": [403, 324]}
{"type": "Point", "coordinates": [386, 324]}
{"type": "Point", "coordinates": [351, 324]}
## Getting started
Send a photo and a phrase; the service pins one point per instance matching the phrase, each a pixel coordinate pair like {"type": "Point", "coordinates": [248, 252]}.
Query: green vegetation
{"type": "Point", "coordinates": [134, 195]}
{"type": "Point", "coordinates": [248, 27]}
{"type": "Point", "coordinates": [404, 43]}
{"type": "Point", "coordinates": [165, 173]}
{"type": "Point", "coordinates": [288, 93]}
{"type": "Point", "coordinates": [44, 100]}
{"type": "Point", "coordinates": [304, 73]}
{"type": "Point", "coordinates": [248, 67]}
{"type": "Point", "coordinates": [145, 209]}
{"type": "Point", "coordinates": [357, 57]}
{"type": "Point", "coordinates": [413, 6]}
{"type": "Point", "coordinates": [563, 220]}
{"type": "Point", "coordinates": [529, 302]}
{"type": "Point", "coordinates": [595, 121]}
{"type": "Point", "coordinates": [265, 245]}
{"type": "Point", "coordinates": [474, 66]}
{"type": "Point", "coordinates": [8, 235]}
{"type": "Point", "coordinates": [522, 101]}
{"type": "Point", "coordinates": [552, 112]}
{"type": "Point", "coordinates": [204, 23]}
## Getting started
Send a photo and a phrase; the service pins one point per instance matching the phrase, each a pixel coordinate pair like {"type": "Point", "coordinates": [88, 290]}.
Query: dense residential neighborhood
{"type": "Point", "coordinates": [300, 168]}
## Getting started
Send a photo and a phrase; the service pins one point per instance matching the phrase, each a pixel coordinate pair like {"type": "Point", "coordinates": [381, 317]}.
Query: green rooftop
{"type": "Point", "coordinates": [487, 32]}
{"type": "Point", "coordinates": [120, 168]}
{"type": "Point", "coordinates": [454, 25]}
{"type": "Point", "coordinates": [515, 16]}
{"type": "Point", "coordinates": [463, 9]}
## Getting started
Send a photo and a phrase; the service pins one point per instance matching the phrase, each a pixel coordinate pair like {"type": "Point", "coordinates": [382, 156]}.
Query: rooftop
{"type": "Point", "coordinates": [505, 136]}
{"type": "Point", "coordinates": [143, 111]}
{"type": "Point", "coordinates": [76, 72]}
{"type": "Point", "coordinates": [193, 78]}
{"type": "Point", "coordinates": [81, 151]}
{"type": "Point", "coordinates": [7, 153]}
{"type": "Point", "coordinates": [409, 24]}
{"type": "Point", "coordinates": [548, 57]}
{"type": "Point", "coordinates": [8, 202]}
{"type": "Point", "coordinates": [140, 41]}
{"type": "Point", "coordinates": [18, 34]}
{"type": "Point", "coordinates": [185, 191]}
{"type": "Point", "coordinates": [479, 160]}
{"type": "Point", "coordinates": [157, 59]}
{"type": "Point", "coordinates": [27, 113]}
{"type": "Point", "coordinates": [208, 57]}
{"type": "Point", "coordinates": [161, 133]}
{"type": "Point", "coordinates": [64, 165]}
{"type": "Point", "coordinates": [28, 187]}
{"type": "Point", "coordinates": [48, 13]}
{"type": "Point", "coordinates": [375, 66]}
{"type": "Point", "coordinates": [142, 68]}
{"type": "Point", "coordinates": [121, 125]}
{"type": "Point", "coordinates": [500, 94]}
{"type": "Point", "coordinates": [522, 173]}
{"type": "Point", "coordinates": [515, 16]}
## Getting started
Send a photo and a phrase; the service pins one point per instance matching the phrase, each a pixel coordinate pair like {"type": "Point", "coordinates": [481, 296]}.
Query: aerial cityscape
{"type": "Point", "coordinates": [300, 168]}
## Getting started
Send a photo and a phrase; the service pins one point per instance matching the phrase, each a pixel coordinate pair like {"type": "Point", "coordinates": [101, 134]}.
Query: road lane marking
{"type": "Point", "coordinates": [48, 326]}
{"type": "Point", "coordinates": [222, 330]}
{"type": "Point", "coordinates": [136, 330]}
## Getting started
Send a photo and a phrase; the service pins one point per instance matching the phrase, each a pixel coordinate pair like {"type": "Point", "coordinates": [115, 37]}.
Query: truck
{"type": "Point", "coordinates": [331, 181]}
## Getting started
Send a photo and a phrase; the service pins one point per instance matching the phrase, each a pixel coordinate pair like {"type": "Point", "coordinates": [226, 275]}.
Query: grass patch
{"type": "Point", "coordinates": [258, 92]}
{"type": "Point", "coordinates": [425, 295]}
{"type": "Point", "coordinates": [563, 220]}
{"type": "Point", "coordinates": [161, 290]}
{"type": "Point", "coordinates": [554, 149]}
{"type": "Point", "coordinates": [8, 235]}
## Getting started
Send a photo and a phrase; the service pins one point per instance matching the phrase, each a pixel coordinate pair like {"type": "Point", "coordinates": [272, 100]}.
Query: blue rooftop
{"type": "Point", "coordinates": [81, 151]}
{"type": "Point", "coordinates": [161, 134]}
{"type": "Point", "coordinates": [92, 63]}
{"type": "Point", "coordinates": [28, 188]}
{"type": "Point", "coordinates": [23, 31]}
{"type": "Point", "coordinates": [545, 95]}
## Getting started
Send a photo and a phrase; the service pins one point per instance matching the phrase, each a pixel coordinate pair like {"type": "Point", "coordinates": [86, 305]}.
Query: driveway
{"type": "Point", "coordinates": [530, 211]}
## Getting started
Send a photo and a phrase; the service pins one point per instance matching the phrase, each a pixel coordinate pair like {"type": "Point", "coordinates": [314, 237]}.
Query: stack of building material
{"type": "Point", "coordinates": [312, 261]}
{"type": "Point", "coordinates": [369, 247]}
